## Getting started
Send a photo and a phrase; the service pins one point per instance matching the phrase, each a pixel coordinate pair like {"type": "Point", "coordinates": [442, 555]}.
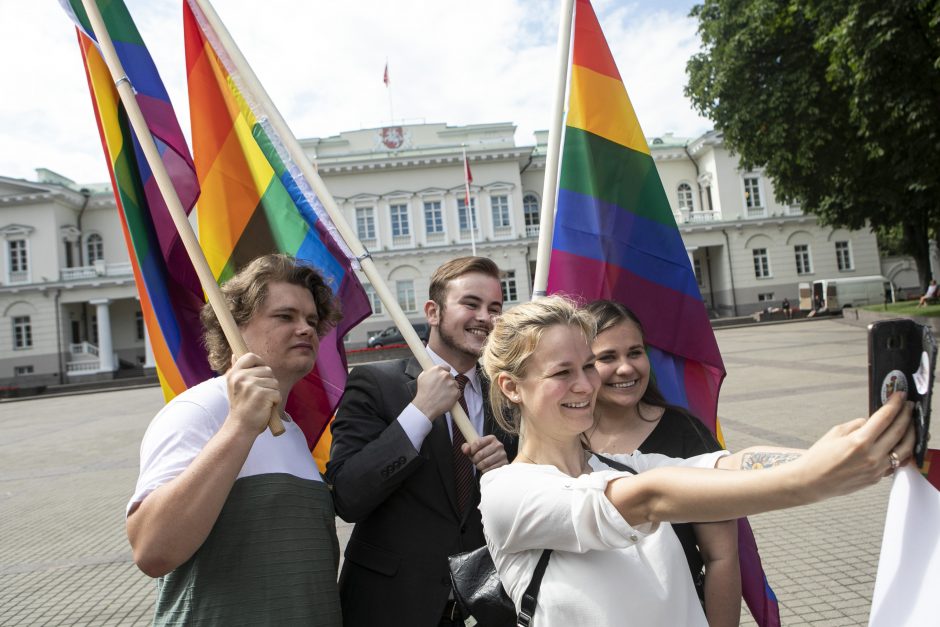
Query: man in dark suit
{"type": "Point", "coordinates": [403, 473]}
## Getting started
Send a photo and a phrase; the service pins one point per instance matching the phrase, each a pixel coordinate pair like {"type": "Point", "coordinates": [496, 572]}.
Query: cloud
{"type": "Point", "coordinates": [322, 63]}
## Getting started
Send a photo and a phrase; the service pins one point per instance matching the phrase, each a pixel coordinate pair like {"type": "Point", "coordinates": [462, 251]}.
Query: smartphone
{"type": "Point", "coordinates": [902, 355]}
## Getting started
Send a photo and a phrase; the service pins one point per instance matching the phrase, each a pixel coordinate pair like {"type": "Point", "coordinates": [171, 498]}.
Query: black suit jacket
{"type": "Point", "coordinates": [404, 502]}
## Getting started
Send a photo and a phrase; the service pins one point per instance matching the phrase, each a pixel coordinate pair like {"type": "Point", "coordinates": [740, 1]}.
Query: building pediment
{"type": "Point", "coordinates": [15, 230]}
{"type": "Point", "coordinates": [498, 185]}
{"type": "Point", "coordinates": [398, 193]}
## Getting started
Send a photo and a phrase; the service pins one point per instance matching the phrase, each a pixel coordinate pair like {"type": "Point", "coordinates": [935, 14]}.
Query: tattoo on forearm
{"type": "Point", "coordinates": [758, 460]}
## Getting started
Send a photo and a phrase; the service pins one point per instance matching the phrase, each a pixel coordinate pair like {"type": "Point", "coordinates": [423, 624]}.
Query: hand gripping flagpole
{"type": "Point", "coordinates": [550, 186]}
{"type": "Point", "coordinates": [253, 86]}
{"type": "Point", "coordinates": [175, 207]}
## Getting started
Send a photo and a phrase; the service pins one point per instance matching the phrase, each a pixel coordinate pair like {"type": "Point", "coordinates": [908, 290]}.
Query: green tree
{"type": "Point", "coordinates": [839, 102]}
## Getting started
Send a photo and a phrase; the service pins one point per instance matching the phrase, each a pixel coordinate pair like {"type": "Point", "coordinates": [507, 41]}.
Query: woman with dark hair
{"type": "Point", "coordinates": [631, 414]}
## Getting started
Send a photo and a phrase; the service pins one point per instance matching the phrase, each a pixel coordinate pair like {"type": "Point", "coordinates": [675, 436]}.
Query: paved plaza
{"type": "Point", "coordinates": [68, 466]}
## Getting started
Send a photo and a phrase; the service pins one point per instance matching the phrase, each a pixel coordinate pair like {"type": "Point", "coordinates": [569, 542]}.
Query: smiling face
{"type": "Point", "coordinates": [460, 326]}
{"type": "Point", "coordinates": [556, 394]}
{"type": "Point", "coordinates": [283, 331]}
{"type": "Point", "coordinates": [622, 364]}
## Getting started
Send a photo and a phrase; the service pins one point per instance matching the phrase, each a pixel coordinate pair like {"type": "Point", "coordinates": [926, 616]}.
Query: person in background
{"type": "Point", "coordinates": [930, 294]}
{"type": "Point", "coordinates": [631, 414]}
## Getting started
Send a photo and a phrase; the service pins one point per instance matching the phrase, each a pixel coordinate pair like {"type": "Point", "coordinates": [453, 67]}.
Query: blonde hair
{"type": "Point", "coordinates": [513, 340]}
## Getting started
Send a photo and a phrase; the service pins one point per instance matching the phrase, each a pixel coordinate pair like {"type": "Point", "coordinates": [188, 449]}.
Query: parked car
{"type": "Point", "coordinates": [392, 335]}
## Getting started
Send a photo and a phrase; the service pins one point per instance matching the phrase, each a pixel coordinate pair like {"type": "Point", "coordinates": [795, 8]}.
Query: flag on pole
{"type": "Point", "coordinates": [169, 291]}
{"type": "Point", "coordinates": [255, 201]}
{"type": "Point", "coordinates": [615, 237]}
{"type": "Point", "coordinates": [467, 178]}
{"type": "Point", "coordinates": [385, 76]}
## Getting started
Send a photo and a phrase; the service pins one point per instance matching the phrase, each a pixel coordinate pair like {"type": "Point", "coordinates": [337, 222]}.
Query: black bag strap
{"type": "Point", "coordinates": [613, 463]}
{"type": "Point", "coordinates": [530, 597]}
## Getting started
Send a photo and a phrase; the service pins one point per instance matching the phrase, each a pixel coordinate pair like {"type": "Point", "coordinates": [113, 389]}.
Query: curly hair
{"type": "Point", "coordinates": [513, 340]}
{"type": "Point", "coordinates": [246, 291]}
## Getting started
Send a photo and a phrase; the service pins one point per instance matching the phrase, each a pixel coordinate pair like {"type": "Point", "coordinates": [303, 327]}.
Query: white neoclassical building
{"type": "Point", "coordinates": [68, 308]}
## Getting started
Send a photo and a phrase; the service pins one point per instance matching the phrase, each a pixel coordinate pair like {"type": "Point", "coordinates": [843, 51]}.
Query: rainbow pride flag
{"type": "Point", "coordinates": [169, 291]}
{"type": "Point", "coordinates": [615, 237]}
{"type": "Point", "coordinates": [255, 201]}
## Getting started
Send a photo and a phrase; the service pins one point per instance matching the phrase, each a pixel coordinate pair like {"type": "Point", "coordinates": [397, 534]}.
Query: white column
{"type": "Point", "coordinates": [148, 351]}
{"type": "Point", "coordinates": [105, 346]}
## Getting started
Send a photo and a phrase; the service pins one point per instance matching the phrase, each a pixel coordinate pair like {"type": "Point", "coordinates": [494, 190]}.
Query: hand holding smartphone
{"type": "Point", "coordinates": [902, 355]}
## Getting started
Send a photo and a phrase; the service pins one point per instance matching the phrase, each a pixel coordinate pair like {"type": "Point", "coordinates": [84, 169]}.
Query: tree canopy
{"type": "Point", "coordinates": [839, 102]}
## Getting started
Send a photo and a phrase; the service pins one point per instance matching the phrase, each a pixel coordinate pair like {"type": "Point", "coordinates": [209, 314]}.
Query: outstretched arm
{"type": "Point", "coordinates": [849, 457]}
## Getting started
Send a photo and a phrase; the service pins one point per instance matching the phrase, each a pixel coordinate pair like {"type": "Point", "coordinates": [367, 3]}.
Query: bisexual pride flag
{"type": "Point", "coordinates": [615, 237]}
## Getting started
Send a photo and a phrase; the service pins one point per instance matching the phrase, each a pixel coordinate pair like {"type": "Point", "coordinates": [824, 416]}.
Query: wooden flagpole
{"type": "Point", "coordinates": [298, 156]}
{"type": "Point", "coordinates": [555, 131]}
{"type": "Point", "coordinates": [139, 124]}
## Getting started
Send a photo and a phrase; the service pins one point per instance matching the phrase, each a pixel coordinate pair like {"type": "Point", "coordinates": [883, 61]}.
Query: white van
{"type": "Point", "coordinates": [835, 294]}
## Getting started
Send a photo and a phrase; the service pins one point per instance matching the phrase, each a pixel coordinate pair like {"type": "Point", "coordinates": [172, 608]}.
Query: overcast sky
{"type": "Point", "coordinates": [322, 61]}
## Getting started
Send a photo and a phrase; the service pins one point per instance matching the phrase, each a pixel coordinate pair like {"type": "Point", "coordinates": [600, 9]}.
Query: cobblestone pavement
{"type": "Point", "coordinates": [68, 466]}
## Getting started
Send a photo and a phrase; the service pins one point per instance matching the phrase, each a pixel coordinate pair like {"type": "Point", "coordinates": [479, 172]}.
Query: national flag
{"type": "Point", "coordinates": [615, 237]}
{"type": "Point", "coordinates": [385, 76]}
{"type": "Point", "coordinates": [255, 201]}
{"type": "Point", "coordinates": [169, 291]}
{"type": "Point", "coordinates": [467, 179]}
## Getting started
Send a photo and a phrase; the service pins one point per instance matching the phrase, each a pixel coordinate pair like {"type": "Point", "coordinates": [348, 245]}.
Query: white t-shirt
{"type": "Point", "coordinates": [602, 571]}
{"type": "Point", "coordinates": [180, 431]}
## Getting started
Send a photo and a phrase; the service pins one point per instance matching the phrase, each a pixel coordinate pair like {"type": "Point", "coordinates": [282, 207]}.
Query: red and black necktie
{"type": "Point", "coordinates": [463, 467]}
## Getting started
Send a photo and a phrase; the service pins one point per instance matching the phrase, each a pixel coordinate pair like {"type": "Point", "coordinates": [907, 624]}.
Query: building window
{"type": "Point", "coordinates": [752, 198]}
{"type": "Point", "coordinates": [507, 281]}
{"type": "Point", "coordinates": [685, 197]}
{"type": "Point", "coordinates": [530, 208]}
{"type": "Point", "coordinates": [500, 205]}
{"type": "Point", "coordinates": [465, 218]}
{"type": "Point", "coordinates": [365, 223]}
{"type": "Point", "coordinates": [843, 256]}
{"type": "Point", "coordinates": [19, 371]}
{"type": "Point", "coordinates": [19, 260]}
{"type": "Point", "coordinates": [22, 333]}
{"type": "Point", "coordinates": [400, 224]}
{"type": "Point", "coordinates": [433, 217]}
{"type": "Point", "coordinates": [94, 248]}
{"type": "Point", "coordinates": [761, 263]}
{"type": "Point", "coordinates": [406, 294]}
{"type": "Point", "coordinates": [697, 269]}
{"type": "Point", "coordinates": [139, 324]}
{"type": "Point", "coordinates": [803, 265]}
{"type": "Point", "coordinates": [94, 330]}
{"type": "Point", "coordinates": [765, 297]}
{"type": "Point", "coordinates": [374, 299]}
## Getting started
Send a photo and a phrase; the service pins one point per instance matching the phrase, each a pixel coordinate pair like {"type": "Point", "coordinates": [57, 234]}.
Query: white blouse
{"type": "Point", "coordinates": [602, 571]}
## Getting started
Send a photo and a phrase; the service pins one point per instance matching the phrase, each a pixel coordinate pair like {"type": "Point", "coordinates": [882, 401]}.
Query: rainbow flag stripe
{"type": "Point", "coordinates": [615, 234]}
{"type": "Point", "coordinates": [169, 292]}
{"type": "Point", "coordinates": [255, 201]}
{"type": "Point", "coordinates": [615, 237]}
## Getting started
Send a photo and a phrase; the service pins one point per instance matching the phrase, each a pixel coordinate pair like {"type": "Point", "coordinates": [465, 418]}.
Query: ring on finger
{"type": "Point", "coordinates": [894, 459]}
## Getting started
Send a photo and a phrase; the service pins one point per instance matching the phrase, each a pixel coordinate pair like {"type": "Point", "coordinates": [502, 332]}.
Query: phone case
{"type": "Point", "coordinates": [902, 355]}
